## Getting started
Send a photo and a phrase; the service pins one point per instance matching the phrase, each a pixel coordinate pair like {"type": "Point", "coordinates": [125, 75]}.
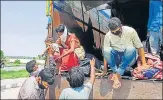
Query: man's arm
{"type": "Point", "coordinates": [104, 70]}
{"type": "Point", "coordinates": [105, 66]}
{"type": "Point", "coordinates": [137, 44]}
{"type": "Point", "coordinates": [92, 78]}
{"type": "Point", "coordinates": [46, 49]}
{"type": "Point", "coordinates": [142, 57]}
{"type": "Point", "coordinates": [105, 48]}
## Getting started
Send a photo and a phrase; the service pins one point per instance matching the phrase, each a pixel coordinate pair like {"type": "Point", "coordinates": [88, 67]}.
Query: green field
{"type": "Point", "coordinates": [14, 74]}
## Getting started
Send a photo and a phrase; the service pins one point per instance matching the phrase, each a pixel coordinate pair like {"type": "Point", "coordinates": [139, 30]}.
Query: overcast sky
{"type": "Point", "coordinates": [23, 27]}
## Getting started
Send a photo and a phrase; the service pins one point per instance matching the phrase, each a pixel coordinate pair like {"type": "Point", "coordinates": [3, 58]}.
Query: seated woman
{"type": "Point", "coordinates": [70, 43]}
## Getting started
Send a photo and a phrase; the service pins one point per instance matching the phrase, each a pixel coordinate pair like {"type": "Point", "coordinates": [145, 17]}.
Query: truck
{"type": "Point", "coordinates": [88, 20]}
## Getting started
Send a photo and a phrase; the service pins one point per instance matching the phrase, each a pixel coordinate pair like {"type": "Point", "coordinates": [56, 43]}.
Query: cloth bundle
{"type": "Point", "coordinates": [153, 72]}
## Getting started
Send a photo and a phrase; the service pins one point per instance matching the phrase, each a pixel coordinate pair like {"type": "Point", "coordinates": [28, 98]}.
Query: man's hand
{"type": "Point", "coordinates": [92, 62]}
{"type": "Point", "coordinates": [145, 66]}
{"type": "Point", "coordinates": [142, 67]}
{"type": "Point", "coordinates": [101, 74]}
{"type": "Point", "coordinates": [92, 75]}
{"type": "Point", "coordinates": [104, 70]}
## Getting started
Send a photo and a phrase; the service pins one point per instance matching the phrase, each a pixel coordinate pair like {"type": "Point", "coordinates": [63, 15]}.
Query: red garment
{"type": "Point", "coordinates": [153, 62]}
{"type": "Point", "coordinates": [70, 60]}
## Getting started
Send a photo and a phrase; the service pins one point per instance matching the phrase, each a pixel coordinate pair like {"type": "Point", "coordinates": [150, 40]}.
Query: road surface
{"type": "Point", "coordinates": [11, 93]}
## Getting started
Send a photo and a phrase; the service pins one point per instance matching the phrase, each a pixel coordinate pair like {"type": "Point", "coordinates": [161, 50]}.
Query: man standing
{"type": "Point", "coordinates": [120, 45]}
{"type": "Point", "coordinates": [33, 86]}
{"type": "Point", "coordinates": [155, 26]}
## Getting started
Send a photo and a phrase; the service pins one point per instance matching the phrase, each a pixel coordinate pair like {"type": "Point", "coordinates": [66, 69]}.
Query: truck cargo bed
{"type": "Point", "coordinates": [102, 89]}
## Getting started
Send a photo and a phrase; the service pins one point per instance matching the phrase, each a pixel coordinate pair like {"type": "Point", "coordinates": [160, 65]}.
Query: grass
{"type": "Point", "coordinates": [14, 74]}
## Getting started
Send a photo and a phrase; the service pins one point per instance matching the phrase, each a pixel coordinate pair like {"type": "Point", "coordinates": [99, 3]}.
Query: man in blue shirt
{"type": "Point", "coordinates": [155, 26]}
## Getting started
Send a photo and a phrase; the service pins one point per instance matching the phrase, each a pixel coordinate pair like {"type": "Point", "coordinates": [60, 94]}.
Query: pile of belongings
{"type": "Point", "coordinates": [153, 72]}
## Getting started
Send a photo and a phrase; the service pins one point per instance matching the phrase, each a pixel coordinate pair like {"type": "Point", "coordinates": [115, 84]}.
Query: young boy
{"type": "Point", "coordinates": [76, 80]}
{"type": "Point", "coordinates": [32, 68]}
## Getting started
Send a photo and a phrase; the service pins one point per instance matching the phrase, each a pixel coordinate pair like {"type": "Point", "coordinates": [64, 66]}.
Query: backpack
{"type": "Point", "coordinates": [85, 66]}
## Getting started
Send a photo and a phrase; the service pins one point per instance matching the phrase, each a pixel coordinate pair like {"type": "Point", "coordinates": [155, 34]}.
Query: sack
{"type": "Point", "coordinates": [155, 71]}
{"type": "Point", "coordinates": [85, 66]}
{"type": "Point", "coordinates": [97, 61]}
{"type": "Point", "coordinates": [80, 52]}
{"type": "Point", "coordinates": [149, 73]}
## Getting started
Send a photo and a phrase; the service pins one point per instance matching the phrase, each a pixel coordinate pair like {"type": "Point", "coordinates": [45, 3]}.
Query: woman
{"type": "Point", "coordinates": [69, 42]}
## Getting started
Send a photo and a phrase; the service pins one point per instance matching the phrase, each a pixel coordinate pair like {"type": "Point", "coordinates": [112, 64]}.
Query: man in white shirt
{"type": "Point", "coordinates": [33, 86]}
{"type": "Point", "coordinates": [120, 45]}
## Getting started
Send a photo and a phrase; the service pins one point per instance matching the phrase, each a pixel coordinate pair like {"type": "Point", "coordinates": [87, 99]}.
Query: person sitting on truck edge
{"type": "Point", "coordinates": [69, 42]}
{"type": "Point", "coordinates": [33, 86]}
{"type": "Point", "coordinates": [33, 68]}
{"type": "Point", "coordinates": [120, 45]}
{"type": "Point", "coordinates": [79, 90]}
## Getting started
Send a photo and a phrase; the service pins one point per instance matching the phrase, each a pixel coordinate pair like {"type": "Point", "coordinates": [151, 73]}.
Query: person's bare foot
{"type": "Point", "coordinates": [116, 81]}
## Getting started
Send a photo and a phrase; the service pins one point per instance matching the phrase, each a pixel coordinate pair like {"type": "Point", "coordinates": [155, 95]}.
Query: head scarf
{"type": "Point", "coordinates": [64, 35]}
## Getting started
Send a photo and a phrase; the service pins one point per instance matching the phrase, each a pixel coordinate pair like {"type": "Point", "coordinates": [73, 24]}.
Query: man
{"type": "Point", "coordinates": [155, 26]}
{"type": "Point", "coordinates": [120, 45]}
{"type": "Point", "coordinates": [33, 68]}
{"type": "Point", "coordinates": [33, 86]}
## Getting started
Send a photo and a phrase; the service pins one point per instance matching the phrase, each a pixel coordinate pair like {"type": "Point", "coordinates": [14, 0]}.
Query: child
{"type": "Point", "coordinates": [48, 42]}
{"type": "Point", "coordinates": [76, 80]}
{"type": "Point", "coordinates": [53, 51]}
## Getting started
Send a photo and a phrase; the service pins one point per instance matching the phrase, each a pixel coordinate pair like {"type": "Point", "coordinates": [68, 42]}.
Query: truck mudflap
{"type": "Point", "coordinates": [102, 89]}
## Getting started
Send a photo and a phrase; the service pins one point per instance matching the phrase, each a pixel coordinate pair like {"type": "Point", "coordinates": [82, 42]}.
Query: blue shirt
{"type": "Point", "coordinates": [155, 16]}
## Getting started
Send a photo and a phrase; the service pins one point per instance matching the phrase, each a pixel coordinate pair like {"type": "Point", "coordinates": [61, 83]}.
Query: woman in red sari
{"type": "Point", "coordinates": [69, 42]}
